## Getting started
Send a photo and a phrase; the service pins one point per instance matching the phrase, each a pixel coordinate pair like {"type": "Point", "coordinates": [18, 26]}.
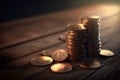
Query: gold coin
{"type": "Point", "coordinates": [105, 52]}
{"type": "Point", "coordinates": [41, 60]}
{"type": "Point", "coordinates": [61, 67]}
{"type": "Point", "coordinates": [59, 55]}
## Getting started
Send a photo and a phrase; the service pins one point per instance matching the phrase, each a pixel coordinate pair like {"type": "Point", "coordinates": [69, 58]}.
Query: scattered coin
{"type": "Point", "coordinates": [61, 67]}
{"type": "Point", "coordinates": [41, 60]}
{"type": "Point", "coordinates": [59, 55]}
{"type": "Point", "coordinates": [107, 53]}
{"type": "Point", "coordinates": [91, 64]}
{"type": "Point", "coordinates": [47, 52]}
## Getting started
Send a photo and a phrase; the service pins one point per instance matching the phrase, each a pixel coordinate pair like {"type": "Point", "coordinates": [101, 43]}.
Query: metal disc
{"type": "Point", "coordinates": [59, 55]}
{"type": "Point", "coordinates": [41, 61]}
{"type": "Point", "coordinates": [61, 67]}
{"type": "Point", "coordinates": [107, 53]}
{"type": "Point", "coordinates": [91, 64]}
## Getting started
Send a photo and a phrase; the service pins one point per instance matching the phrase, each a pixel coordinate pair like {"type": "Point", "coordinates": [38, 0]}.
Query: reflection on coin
{"type": "Point", "coordinates": [41, 60]}
{"type": "Point", "coordinates": [61, 67]}
{"type": "Point", "coordinates": [105, 52]}
{"type": "Point", "coordinates": [59, 55]}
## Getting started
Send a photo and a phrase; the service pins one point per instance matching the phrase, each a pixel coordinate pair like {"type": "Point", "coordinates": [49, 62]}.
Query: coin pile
{"type": "Point", "coordinates": [76, 39]}
{"type": "Point", "coordinates": [93, 43]}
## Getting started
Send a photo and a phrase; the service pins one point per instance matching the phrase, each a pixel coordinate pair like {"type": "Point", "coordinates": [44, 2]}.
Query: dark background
{"type": "Point", "coordinates": [16, 9]}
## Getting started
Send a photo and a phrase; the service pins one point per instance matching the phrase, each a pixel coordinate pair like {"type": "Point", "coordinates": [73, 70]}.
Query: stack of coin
{"type": "Point", "coordinates": [76, 39]}
{"type": "Point", "coordinates": [93, 43]}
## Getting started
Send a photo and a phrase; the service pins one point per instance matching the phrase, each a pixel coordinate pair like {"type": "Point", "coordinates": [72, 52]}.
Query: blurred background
{"type": "Point", "coordinates": [17, 9]}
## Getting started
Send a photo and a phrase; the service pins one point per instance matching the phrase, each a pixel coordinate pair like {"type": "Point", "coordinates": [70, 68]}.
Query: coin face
{"type": "Point", "coordinates": [61, 67]}
{"type": "Point", "coordinates": [59, 55]}
{"type": "Point", "coordinates": [41, 61]}
{"type": "Point", "coordinates": [105, 52]}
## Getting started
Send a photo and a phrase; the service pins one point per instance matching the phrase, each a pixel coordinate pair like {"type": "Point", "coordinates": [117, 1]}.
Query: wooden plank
{"type": "Point", "coordinates": [15, 32]}
{"type": "Point", "coordinates": [34, 45]}
{"type": "Point", "coordinates": [25, 60]}
{"type": "Point", "coordinates": [37, 45]}
{"type": "Point", "coordinates": [30, 47]}
{"type": "Point", "coordinates": [22, 68]}
{"type": "Point", "coordinates": [78, 73]}
{"type": "Point", "coordinates": [107, 70]}
{"type": "Point", "coordinates": [74, 75]}
{"type": "Point", "coordinates": [39, 72]}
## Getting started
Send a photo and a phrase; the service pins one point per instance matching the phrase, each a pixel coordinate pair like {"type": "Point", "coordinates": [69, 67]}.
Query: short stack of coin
{"type": "Point", "coordinates": [76, 39]}
{"type": "Point", "coordinates": [93, 43]}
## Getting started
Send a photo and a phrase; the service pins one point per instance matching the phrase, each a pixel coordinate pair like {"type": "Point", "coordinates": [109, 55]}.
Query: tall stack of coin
{"type": "Point", "coordinates": [93, 43]}
{"type": "Point", "coordinates": [76, 39]}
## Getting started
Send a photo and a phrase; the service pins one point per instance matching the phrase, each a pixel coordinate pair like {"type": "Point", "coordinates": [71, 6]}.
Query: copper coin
{"type": "Point", "coordinates": [75, 27]}
{"type": "Point", "coordinates": [61, 67]}
{"type": "Point", "coordinates": [41, 61]}
{"type": "Point", "coordinates": [94, 64]}
{"type": "Point", "coordinates": [76, 52]}
{"type": "Point", "coordinates": [47, 52]}
{"type": "Point", "coordinates": [72, 47]}
{"type": "Point", "coordinates": [75, 37]}
{"type": "Point", "coordinates": [76, 41]}
{"type": "Point", "coordinates": [59, 55]}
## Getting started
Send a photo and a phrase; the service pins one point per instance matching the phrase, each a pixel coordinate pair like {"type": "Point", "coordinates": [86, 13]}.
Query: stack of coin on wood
{"type": "Point", "coordinates": [76, 39]}
{"type": "Point", "coordinates": [93, 43]}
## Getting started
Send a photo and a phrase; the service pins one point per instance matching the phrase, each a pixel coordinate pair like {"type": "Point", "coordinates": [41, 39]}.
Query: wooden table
{"type": "Point", "coordinates": [23, 39]}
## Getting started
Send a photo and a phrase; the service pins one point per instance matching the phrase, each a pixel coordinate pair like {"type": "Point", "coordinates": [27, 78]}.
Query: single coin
{"type": "Point", "coordinates": [105, 52]}
{"type": "Point", "coordinates": [59, 55]}
{"type": "Point", "coordinates": [47, 52]}
{"type": "Point", "coordinates": [94, 64]}
{"type": "Point", "coordinates": [75, 27]}
{"type": "Point", "coordinates": [41, 61]}
{"type": "Point", "coordinates": [62, 37]}
{"type": "Point", "coordinates": [61, 67]}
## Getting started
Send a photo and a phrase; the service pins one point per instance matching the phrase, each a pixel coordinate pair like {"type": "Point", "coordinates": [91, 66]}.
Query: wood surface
{"type": "Point", "coordinates": [21, 40]}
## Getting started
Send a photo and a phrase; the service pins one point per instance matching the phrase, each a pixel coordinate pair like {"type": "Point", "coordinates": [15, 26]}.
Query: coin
{"type": "Point", "coordinates": [61, 67]}
{"type": "Point", "coordinates": [91, 64]}
{"type": "Point", "coordinates": [41, 61]}
{"type": "Point", "coordinates": [107, 53]}
{"type": "Point", "coordinates": [59, 55]}
{"type": "Point", "coordinates": [47, 52]}
{"type": "Point", "coordinates": [62, 37]}
{"type": "Point", "coordinates": [75, 27]}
